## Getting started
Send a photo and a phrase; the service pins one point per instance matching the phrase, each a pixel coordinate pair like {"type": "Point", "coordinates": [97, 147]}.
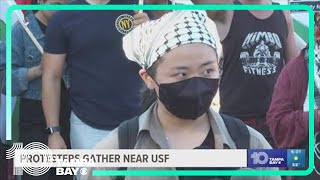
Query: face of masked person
{"type": "Point", "coordinates": [187, 80]}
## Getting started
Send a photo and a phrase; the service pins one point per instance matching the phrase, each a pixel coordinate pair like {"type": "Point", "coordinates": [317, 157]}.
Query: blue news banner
{"type": "Point", "coordinates": [291, 158]}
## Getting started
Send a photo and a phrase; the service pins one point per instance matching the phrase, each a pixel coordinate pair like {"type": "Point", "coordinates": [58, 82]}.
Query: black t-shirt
{"type": "Point", "coordinates": [208, 143]}
{"type": "Point", "coordinates": [104, 85]}
{"type": "Point", "coordinates": [253, 59]}
{"type": "Point", "coordinates": [42, 26]}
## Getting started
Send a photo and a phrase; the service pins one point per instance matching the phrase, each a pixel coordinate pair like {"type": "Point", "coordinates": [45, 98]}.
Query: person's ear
{"type": "Point", "coordinates": [147, 79]}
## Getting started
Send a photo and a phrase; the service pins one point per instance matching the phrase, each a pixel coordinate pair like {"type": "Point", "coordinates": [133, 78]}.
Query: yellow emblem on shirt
{"type": "Point", "coordinates": [124, 23]}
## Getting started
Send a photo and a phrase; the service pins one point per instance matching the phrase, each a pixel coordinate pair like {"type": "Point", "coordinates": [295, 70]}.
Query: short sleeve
{"type": "Point", "coordinates": [257, 140]}
{"type": "Point", "coordinates": [56, 39]}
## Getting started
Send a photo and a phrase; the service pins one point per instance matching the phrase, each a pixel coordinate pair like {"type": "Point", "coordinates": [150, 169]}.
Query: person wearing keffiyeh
{"type": "Point", "coordinates": [179, 63]}
{"type": "Point", "coordinates": [288, 114]}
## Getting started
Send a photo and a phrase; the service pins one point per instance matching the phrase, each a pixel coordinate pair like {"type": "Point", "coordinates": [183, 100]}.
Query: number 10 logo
{"type": "Point", "coordinates": [260, 158]}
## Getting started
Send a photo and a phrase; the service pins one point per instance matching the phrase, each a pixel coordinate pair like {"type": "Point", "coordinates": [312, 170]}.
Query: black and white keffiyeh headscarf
{"type": "Point", "coordinates": [151, 40]}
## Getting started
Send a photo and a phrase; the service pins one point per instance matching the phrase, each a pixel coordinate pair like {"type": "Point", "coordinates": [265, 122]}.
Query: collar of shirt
{"type": "Point", "coordinates": [150, 129]}
{"type": "Point", "coordinates": [34, 26]}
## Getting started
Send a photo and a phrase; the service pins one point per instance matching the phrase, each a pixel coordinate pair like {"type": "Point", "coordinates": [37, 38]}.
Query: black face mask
{"type": "Point", "coordinates": [190, 98]}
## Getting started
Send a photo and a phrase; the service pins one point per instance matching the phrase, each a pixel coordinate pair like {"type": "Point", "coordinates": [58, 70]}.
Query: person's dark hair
{"type": "Point", "coordinates": [148, 96]}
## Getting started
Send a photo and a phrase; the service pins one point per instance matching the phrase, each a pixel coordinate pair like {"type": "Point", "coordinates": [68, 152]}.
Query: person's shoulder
{"type": "Point", "coordinates": [288, 18]}
{"type": "Point", "coordinates": [59, 17]}
{"type": "Point", "coordinates": [65, 15]}
{"type": "Point", "coordinates": [62, 18]}
{"type": "Point", "coordinates": [17, 29]}
{"type": "Point", "coordinates": [257, 140]}
{"type": "Point", "coordinates": [110, 141]}
{"type": "Point", "coordinates": [296, 63]}
{"type": "Point", "coordinates": [29, 15]}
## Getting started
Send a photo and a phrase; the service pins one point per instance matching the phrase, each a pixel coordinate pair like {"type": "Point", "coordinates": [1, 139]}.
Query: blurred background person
{"type": "Point", "coordinates": [288, 116]}
{"type": "Point", "coordinates": [256, 45]}
{"type": "Point", "coordinates": [100, 97]}
{"type": "Point", "coordinates": [26, 82]}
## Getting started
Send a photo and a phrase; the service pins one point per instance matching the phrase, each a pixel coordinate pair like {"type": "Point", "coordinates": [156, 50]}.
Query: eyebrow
{"type": "Point", "coordinates": [207, 63]}
{"type": "Point", "coordinates": [185, 67]}
{"type": "Point", "coordinates": [181, 68]}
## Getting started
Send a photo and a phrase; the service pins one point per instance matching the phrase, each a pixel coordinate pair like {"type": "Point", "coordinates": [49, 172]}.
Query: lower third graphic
{"type": "Point", "coordinates": [276, 158]}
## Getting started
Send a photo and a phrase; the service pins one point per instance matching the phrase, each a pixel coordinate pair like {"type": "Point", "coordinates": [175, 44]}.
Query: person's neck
{"type": "Point", "coordinates": [172, 123]}
{"type": "Point", "coordinates": [98, 1]}
{"type": "Point", "coordinates": [41, 17]}
{"type": "Point", "coordinates": [255, 1]}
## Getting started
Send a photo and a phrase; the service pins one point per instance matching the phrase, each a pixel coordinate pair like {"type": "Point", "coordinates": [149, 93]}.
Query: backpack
{"type": "Point", "coordinates": [128, 131]}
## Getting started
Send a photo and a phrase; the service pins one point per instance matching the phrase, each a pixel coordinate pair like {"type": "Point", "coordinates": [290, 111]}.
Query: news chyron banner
{"type": "Point", "coordinates": [36, 158]}
{"type": "Point", "coordinates": [315, 4]}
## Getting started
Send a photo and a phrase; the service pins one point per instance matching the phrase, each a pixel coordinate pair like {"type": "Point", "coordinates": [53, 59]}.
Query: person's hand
{"type": "Point", "coordinates": [39, 69]}
{"type": "Point", "coordinates": [55, 141]}
{"type": "Point", "coordinates": [35, 72]}
{"type": "Point", "coordinates": [140, 18]}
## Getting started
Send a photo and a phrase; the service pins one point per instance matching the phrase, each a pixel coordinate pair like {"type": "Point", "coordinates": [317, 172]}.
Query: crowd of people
{"type": "Point", "coordinates": [156, 73]}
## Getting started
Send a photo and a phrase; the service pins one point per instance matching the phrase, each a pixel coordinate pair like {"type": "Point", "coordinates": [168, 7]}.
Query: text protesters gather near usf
{"type": "Point", "coordinates": [179, 63]}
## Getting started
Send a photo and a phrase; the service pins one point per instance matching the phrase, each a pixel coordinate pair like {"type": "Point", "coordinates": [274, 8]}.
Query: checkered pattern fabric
{"type": "Point", "coordinates": [150, 41]}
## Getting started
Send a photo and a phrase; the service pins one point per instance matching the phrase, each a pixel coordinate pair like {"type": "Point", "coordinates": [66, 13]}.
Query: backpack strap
{"type": "Point", "coordinates": [127, 137]}
{"type": "Point", "coordinates": [127, 133]}
{"type": "Point", "coordinates": [238, 131]}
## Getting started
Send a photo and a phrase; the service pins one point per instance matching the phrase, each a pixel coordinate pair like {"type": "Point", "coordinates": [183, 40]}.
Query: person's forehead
{"type": "Point", "coordinates": [190, 54]}
{"type": "Point", "coordinates": [191, 49]}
